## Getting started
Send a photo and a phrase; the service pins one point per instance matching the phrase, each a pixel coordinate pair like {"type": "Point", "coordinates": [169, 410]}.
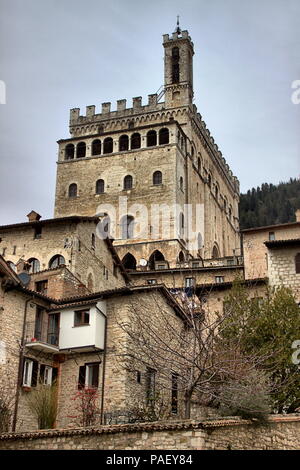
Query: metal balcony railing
{"type": "Point", "coordinates": [42, 332]}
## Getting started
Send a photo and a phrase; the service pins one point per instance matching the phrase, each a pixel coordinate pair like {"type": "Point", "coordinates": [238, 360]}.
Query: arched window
{"type": "Point", "coordinates": [56, 261]}
{"type": "Point", "coordinates": [181, 257]}
{"type": "Point", "coordinates": [297, 263]}
{"type": "Point", "coordinates": [127, 227]}
{"type": "Point", "coordinates": [108, 145]}
{"type": "Point", "coordinates": [175, 65]}
{"type": "Point", "coordinates": [135, 141]}
{"type": "Point", "coordinates": [209, 180]}
{"type": "Point", "coordinates": [157, 177]}
{"type": "Point", "coordinates": [181, 224]}
{"type": "Point", "coordinates": [216, 191]}
{"type": "Point", "coordinates": [96, 147]}
{"type": "Point", "coordinates": [215, 252]}
{"type": "Point", "coordinates": [34, 265]}
{"type": "Point", "coordinates": [156, 256]}
{"type": "Point", "coordinates": [151, 138]}
{"type": "Point", "coordinates": [181, 183]}
{"type": "Point", "coordinates": [163, 136]}
{"type": "Point", "coordinates": [73, 190]}
{"type": "Point", "coordinates": [199, 164]}
{"type": "Point", "coordinates": [230, 213]}
{"type": "Point", "coordinates": [81, 150]}
{"type": "Point", "coordinates": [129, 261]}
{"type": "Point", "coordinates": [69, 152]}
{"type": "Point", "coordinates": [100, 186]}
{"type": "Point", "coordinates": [123, 143]}
{"type": "Point", "coordinates": [128, 182]}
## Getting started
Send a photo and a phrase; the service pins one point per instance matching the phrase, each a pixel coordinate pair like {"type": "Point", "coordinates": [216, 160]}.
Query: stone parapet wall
{"type": "Point", "coordinates": [281, 433]}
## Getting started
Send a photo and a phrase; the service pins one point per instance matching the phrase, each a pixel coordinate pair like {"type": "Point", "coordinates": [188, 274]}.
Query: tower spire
{"type": "Point", "coordinates": [178, 29]}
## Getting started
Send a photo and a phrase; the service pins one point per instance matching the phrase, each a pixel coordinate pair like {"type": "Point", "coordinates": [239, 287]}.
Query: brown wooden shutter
{"type": "Point", "coordinates": [95, 376]}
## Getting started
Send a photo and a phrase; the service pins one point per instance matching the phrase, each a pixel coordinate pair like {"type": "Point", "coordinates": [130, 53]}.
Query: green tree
{"type": "Point", "coordinates": [268, 326]}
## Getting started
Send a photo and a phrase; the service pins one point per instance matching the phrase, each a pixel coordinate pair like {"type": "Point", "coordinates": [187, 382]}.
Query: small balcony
{"type": "Point", "coordinates": [42, 336]}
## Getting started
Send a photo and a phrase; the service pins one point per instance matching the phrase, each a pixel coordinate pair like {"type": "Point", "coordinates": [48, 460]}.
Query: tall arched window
{"type": "Point", "coordinates": [175, 65]}
{"type": "Point", "coordinates": [181, 257]}
{"type": "Point", "coordinates": [181, 224]}
{"type": "Point", "coordinates": [100, 186]}
{"type": "Point", "coordinates": [216, 191]}
{"type": "Point", "coordinates": [215, 252]}
{"type": "Point", "coordinates": [135, 141]}
{"type": "Point", "coordinates": [123, 143]}
{"type": "Point", "coordinates": [297, 263]}
{"type": "Point", "coordinates": [108, 145]}
{"type": "Point", "coordinates": [151, 138]}
{"type": "Point", "coordinates": [156, 256]}
{"type": "Point", "coordinates": [127, 227]}
{"type": "Point", "coordinates": [73, 190]}
{"type": "Point", "coordinates": [81, 150]}
{"type": "Point", "coordinates": [163, 136]}
{"type": "Point", "coordinates": [96, 147]}
{"type": "Point", "coordinates": [129, 261]}
{"type": "Point", "coordinates": [181, 183]}
{"type": "Point", "coordinates": [56, 261]}
{"type": "Point", "coordinates": [34, 265]}
{"type": "Point", "coordinates": [209, 180]}
{"type": "Point", "coordinates": [157, 177]}
{"type": "Point", "coordinates": [199, 164]}
{"type": "Point", "coordinates": [128, 182]}
{"type": "Point", "coordinates": [69, 152]}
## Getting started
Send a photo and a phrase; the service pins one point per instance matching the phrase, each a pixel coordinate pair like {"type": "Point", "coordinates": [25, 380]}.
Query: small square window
{"type": "Point", "coordinates": [219, 279]}
{"type": "Point", "coordinates": [190, 282]}
{"type": "Point", "coordinates": [82, 317]}
{"type": "Point", "coordinates": [271, 236]}
{"type": "Point", "coordinates": [151, 281]}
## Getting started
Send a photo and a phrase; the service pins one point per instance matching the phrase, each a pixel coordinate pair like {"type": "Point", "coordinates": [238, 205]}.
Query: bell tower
{"type": "Point", "coordinates": [179, 51]}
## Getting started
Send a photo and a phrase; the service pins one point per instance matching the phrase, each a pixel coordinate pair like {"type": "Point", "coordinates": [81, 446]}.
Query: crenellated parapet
{"type": "Point", "coordinates": [122, 112]}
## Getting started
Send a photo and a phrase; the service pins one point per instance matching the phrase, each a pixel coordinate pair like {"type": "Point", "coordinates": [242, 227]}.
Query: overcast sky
{"type": "Point", "coordinates": [60, 54]}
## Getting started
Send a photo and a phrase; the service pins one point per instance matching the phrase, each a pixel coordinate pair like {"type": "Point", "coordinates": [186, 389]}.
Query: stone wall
{"type": "Point", "coordinates": [282, 433]}
{"type": "Point", "coordinates": [255, 251]}
{"type": "Point", "coordinates": [282, 269]}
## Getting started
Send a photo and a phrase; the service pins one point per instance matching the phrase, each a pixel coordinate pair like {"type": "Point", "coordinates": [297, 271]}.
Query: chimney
{"type": "Point", "coordinates": [33, 216]}
{"type": "Point", "coordinates": [298, 215]}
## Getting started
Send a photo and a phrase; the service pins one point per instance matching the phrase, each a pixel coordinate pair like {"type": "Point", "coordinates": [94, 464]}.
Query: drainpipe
{"type": "Point", "coordinates": [20, 369]}
{"type": "Point", "coordinates": [103, 371]}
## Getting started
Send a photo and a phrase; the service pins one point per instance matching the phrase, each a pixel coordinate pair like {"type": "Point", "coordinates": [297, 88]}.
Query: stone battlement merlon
{"type": "Point", "coordinates": [177, 36]}
{"type": "Point", "coordinates": [121, 111]}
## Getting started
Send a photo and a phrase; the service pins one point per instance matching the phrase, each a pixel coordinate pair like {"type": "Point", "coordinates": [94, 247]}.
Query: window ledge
{"type": "Point", "coordinates": [84, 324]}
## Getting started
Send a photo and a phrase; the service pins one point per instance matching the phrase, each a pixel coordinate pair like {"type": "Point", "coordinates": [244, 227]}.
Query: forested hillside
{"type": "Point", "coordinates": [270, 204]}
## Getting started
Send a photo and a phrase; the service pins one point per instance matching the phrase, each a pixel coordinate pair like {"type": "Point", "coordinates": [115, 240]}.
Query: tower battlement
{"type": "Point", "coordinates": [121, 111]}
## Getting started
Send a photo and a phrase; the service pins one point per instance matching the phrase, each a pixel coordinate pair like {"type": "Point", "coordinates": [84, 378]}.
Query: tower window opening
{"type": "Point", "coordinates": [108, 145]}
{"type": "Point", "coordinates": [175, 65]}
{"type": "Point", "coordinates": [135, 141]}
{"type": "Point", "coordinates": [163, 136]}
{"type": "Point", "coordinates": [151, 138]}
{"type": "Point", "coordinates": [123, 143]}
{"type": "Point", "coordinates": [81, 150]}
{"type": "Point", "coordinates": [96, 147]}
{"type": "Point", "coordinates": [69, 152]}
{"type": "Point", "coordinates": [73, 190]}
